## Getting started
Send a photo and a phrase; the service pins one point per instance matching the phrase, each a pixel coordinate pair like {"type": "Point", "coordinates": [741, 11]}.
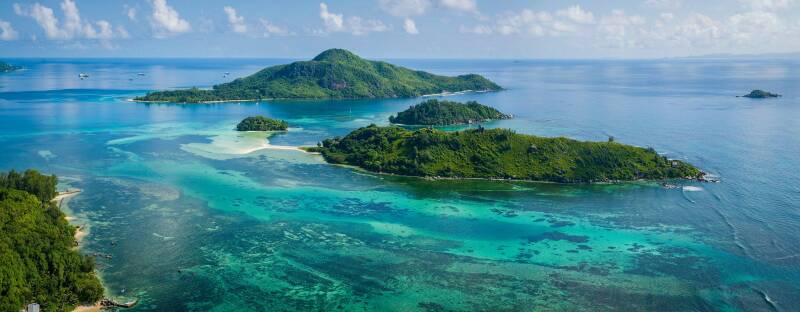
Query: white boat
{"type": "Point", "coordinates": [83, 76]}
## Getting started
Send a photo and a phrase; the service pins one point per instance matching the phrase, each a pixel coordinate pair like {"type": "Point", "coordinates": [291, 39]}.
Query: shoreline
{"type": "Point", "coordinates": [80, 231]}
{"type": "Point", "coordinates": [701, 179]}
{"type": "Point", "coordinates": [315, 99]}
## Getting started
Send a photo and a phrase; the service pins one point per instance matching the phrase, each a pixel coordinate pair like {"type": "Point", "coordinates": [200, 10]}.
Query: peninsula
{"type": "Point", "coordinates": [435, 112]}
{"type": "Point", "coordinates": [5, 67]}
{"type": "Point", "coordinates": [261, 123]}
{"type": "Point", "coordinates": [760, 94]}
{"type": "Point", "coordinates": [333, 74]}
{"type": "Point", "coordinates": [498, 154]}
{"type": "Point", "coordinates": [39, 261]}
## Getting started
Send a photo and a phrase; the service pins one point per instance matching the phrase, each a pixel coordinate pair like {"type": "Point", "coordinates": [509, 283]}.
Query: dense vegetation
{"type": "Point", "coordinates": [5, 67]}
{"type": "Point", "coordinates": [497, 153]}
{"type": "Point", "coordinates": [334, 73]}
{"type": "Point", "coordinates": [261, 123]}
{"type": "Point", "coordinates": [37, 259]}
{"type": "Point", "coordinates": [434, 112]}
{"type": "Point", "coordinates": [760, 94]}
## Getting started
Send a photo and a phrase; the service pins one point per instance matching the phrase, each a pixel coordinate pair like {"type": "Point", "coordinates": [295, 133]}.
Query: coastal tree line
{"type": "Point", "coordinates": [38, 261]}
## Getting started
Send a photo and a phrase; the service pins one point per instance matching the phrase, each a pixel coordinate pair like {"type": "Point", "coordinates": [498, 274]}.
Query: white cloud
{"type": "Point", "coordinates": [359, 26]}
{"type": "Point", "coordinates": [353, 24]}
{"type": "Point", "coordinates": [72, 27]}
{"type": "Point", "coordinates": [535, 23]}
{"type": "Point", "coordinates": [760, 5]}
{"type": "Point", "coordinates": [410, 26]}
{"type": "Point", "coordinates": [166, 21]}
{"type": "Point", "coordinates": [333, 22]}
{"type": "Point", "coordinates": [622, 30]}
{"type": "Point", "coordinates": [7, 32]}
{"type": "Point", "coordinates": [460, 5]}
{"type": "Point", "coordinates": [405, 8]}
{"type": "Point", "coordinates": [664, 4]}
{"type": "Point", "coordinates": [577, 14]}
{"type": "Point", "coordinates": [236, 22]}
{"type": "Point", "coordinates": [270, 29]}
{"type": "Point", "coordinates": [130, 12]}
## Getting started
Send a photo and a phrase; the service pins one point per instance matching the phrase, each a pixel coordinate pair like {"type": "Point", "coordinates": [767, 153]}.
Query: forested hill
{"type": "Point", "coordinates": [38, 263]}
{"type": "Point", "coordinates": [334, 73]}
{"type": "Point", "coordinates": [5, 67]}
{"type": "Point", "coordinates": [435, 112]}
{"type": "Point", "coordinates": [498, 154]}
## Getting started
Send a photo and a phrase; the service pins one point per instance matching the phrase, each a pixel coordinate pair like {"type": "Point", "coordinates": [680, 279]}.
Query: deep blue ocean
{"type": "Point", "coordinates": [199, 217]}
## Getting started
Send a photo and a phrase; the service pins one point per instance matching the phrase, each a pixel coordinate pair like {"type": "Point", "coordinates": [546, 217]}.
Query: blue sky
{"type": "Point", "coordinates": [398, 28]}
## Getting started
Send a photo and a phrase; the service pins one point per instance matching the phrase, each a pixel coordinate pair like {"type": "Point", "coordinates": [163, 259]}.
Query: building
{"type": "Point", "coordinates": [33, 307]}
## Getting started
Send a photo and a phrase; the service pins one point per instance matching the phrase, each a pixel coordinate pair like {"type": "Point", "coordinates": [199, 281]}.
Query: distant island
{"type": "Point", "coordinates": [37, 248]}
{"type": "Point", "coordinates": [498, 154]}
{"type": "Point", "coordinates": [435, 112]}
{"type": "Point", "coordinates": [333, 74]}
{"type": "Point", "coordinates": [760, 94]}
{"type": "Point", "coordinates": [5, 67]}
{"type": "Point", "coordinates": [261, 123]}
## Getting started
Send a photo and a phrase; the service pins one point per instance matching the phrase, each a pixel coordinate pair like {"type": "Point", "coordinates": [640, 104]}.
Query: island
{"type": "Point", "coordinates": [435, 112]}
{"type": "Point", "coordinates": [760, 94]}
{"type": "Point", "coordinates": [333, 74]}
{"type": "Point", "coordinates": [498, 154]}
{"type": "Point", "coordinates": [37, 249]}
{"type": "Point", "coordinates": [261, 123]}
{"type": "Point", "coordinates": [5, 67]}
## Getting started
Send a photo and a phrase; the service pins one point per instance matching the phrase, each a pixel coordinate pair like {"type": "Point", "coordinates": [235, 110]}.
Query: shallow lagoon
{"type": "Point", "coordinates": [194, 223]}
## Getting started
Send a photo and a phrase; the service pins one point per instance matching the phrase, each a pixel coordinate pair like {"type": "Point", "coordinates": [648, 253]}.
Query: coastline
{"type": "Point", "coordinates": [446, 93]}
{"type": "Point", "coordinates": [80, 234]}
{"type": "Point", "coordinates": [438, 178]}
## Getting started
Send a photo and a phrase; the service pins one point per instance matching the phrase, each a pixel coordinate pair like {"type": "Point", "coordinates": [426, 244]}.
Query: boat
{"type": "Point", "coordinates": [140, 74]}
{"type": "Point", "coordinates": [83, 76]}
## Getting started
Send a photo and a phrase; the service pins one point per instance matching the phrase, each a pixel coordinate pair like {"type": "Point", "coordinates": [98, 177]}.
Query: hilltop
{"type": "Point", "coordinates": [333, 74]}
{"type": "Point", "coordinates": [498, 154]}
{"type": "Point", "coordinates": [435, 112]}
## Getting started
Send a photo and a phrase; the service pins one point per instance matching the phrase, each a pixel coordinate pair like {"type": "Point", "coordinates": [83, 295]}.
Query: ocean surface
{"type": "Point", "coordinates": [198, 217]}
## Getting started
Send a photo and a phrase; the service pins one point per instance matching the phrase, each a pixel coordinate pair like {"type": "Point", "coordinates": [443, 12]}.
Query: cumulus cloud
{"type": "Point", "coordinates": [166, 21]}
{"type": "Point", "coordinates": [460, 5]}
{"type": "Point", "coordinates": [761, 5]}
{"type": "Point", "coordinates": [664, 4]}
{"type": "Point", "coordinates": [269, 29]}
{"type": "Point", "coordinates": [333, 22]}
{"type": "Point", "coordinates": [7, 32]}
{"type": "Point", "coordinates": [130, 12]}
{"type": "Point", "coordinates": [73, 27]}
{"type": "Point", "coordinates": [236, 22]}
{"type": "Point", "coordinates": [410, 26]}
{"type": "Point", "coordinates": [405, 8]}
{"type": "Point", "coordinates": [536, 23]}
{"type": "Point", "coordinates": [353, 24]}
{"type": "Point", "coordinates": [577, 14]}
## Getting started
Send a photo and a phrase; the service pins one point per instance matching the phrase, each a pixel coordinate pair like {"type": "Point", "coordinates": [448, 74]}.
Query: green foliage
{"type": "Point", "coordinates": [261, 123]}
{"type": "Point", "coordinates": [5, 67]}
{"type": "Point", "coordinates": [434, 112]}
{"type": "Point", "coordinates": [761, 94]}
{"type": "Point", "coordinates": [39, 263]}
{"type": "Point", "coordinates": [497, 153]}
{"type": "Point", "coordinates": [334, 73]}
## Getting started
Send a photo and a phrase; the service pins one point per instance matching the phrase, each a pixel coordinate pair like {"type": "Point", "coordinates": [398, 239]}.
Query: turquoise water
{"type": "Point", "coordinates": [198, 217]}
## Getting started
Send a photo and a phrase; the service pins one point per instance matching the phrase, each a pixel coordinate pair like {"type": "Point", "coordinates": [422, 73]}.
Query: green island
{"type": "Point", "coordinates": [760, 94]}
{"type": "Point", "coordinates": [261, 123]}
{"type": "Point", "coordinates": [37, 248]}
{"type": "Point", "coordinates": [333, 74]}
{"type": "Point", "coordinates": [5, 67]}
{"type": "Point", "coordinates": [435, 112]}
{"type": "Point", "coordinates": [498, 154]}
